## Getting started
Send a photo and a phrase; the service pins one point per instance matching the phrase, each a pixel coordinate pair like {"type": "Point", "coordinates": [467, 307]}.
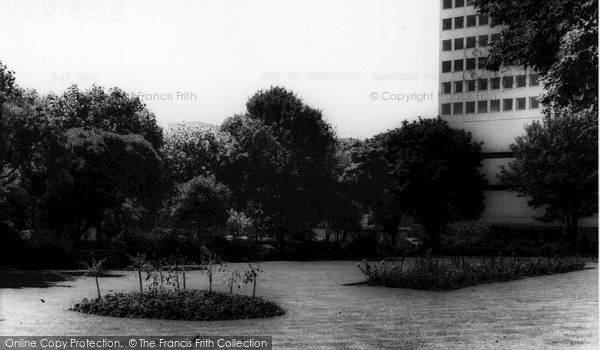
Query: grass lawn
{"type": "Point", "coordinates": [548, 312]}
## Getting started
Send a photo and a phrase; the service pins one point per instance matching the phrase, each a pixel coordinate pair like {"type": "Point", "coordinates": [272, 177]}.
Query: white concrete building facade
{"type": "Point", "coordinates": [493, 106]}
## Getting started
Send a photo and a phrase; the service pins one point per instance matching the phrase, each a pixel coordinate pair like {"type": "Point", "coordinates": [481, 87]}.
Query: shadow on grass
{"type": "Point", "coordinates": [40, 279]}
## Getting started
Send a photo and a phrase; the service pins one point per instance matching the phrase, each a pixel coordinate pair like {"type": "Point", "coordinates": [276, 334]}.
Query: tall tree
{"type": "Point", "coordinates": [428, 170]}
{"type": "Point", "coordinates": [283, 156]}
{"type": "Point", "coordinates": [556, 165]}
{"type": "Point", "coordinates": [558, 38]}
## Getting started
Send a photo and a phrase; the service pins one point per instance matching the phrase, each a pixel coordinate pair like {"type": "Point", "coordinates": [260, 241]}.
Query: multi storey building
{"type": "Point", "coordinates": [493, 106]}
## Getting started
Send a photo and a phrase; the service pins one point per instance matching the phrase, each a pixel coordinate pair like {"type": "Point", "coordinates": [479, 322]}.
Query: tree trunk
{"type": "Point", "coordinates": [140, 278]}
{"type": "Point", "coordinates": [98, 288]}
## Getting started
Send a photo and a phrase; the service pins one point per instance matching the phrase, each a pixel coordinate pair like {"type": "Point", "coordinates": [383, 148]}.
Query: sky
{"type": "Point", "coordinates": [367, 65]}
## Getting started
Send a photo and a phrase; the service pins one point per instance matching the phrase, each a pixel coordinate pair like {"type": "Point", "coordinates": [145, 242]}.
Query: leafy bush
{"type": "Point", "coordinates": [193, 305]}
{"type": "Point", "coordinates": [430, 274]}
{"type": "Point", "coordinates": [238, 224]}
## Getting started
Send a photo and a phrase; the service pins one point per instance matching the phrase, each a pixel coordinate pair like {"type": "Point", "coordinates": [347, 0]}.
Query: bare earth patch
{"type": "Point", "coordinates": [548, 312]}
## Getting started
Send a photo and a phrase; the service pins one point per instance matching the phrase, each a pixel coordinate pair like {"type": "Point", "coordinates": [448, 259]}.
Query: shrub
{"type": "Point", "coordinates": [430, 274]}
{"type": "Point", "coordinates": [238, 224]}
{"type": "Point", "coordinates": [193, 305]}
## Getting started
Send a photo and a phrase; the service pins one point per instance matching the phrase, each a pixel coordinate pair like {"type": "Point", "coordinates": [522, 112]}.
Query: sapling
{"type": "Point", "coordinates": [172, 276]}
{"type": "Point", "coordinates": [183, 269]}
{"type": "Point", "coordinates": [152, 274]}
{"type": "Point", "coordinates": [94, 270]}
{"type": "Point", "coordinates": [139, 264]}
{"type": "Point", "coordinates": [231, 277]}
{"type": "Point", "coordinates": [250, 276]}
{"type": "Point", "coordinates": [173, 273]}
{"type": "Point", "coordinates": [176, 269]}
{"type": "Point", "coordinates": [211, 263]}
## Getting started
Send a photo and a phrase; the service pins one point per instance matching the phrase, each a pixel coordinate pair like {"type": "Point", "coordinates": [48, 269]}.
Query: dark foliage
{"type": "Point", "coordinates": [558, 38]}
{"type": "Point", "coordinates": [363, 245]}
{"type": "Point", "coordinates": [281, 162]}
{"type": "Point", "coordinates": [426, 169]}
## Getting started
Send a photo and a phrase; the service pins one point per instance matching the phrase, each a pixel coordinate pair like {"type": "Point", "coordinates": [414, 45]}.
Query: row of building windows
{"type": "Point", "coordinates": [462, 64]}
{"type": "Point", "coordinates": [468, 21]}
{"type": "Point", "coordinates": [484, 84]}
{"type": "Point", "coordinates": [508, 104]}
{"type": "Point", "coordinates": [469, 42]}
{"type": "Point", "coordinates": [447, 4]}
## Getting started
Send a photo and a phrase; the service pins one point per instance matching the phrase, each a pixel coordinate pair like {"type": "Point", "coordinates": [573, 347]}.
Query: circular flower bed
{"type": "Point", "coordinates": [196, 305]}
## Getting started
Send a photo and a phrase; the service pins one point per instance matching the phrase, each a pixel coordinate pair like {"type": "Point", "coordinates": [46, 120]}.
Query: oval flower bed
{"type": "Point", "coordinates": [195, 305]}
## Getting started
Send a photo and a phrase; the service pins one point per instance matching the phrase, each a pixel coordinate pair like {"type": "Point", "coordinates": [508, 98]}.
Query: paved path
{"type": "Point", "coordinates": [548, 312]}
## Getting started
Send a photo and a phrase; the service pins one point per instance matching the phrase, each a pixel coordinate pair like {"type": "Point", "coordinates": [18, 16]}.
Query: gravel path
{"type": "Point", "coordinates": [549, 312]}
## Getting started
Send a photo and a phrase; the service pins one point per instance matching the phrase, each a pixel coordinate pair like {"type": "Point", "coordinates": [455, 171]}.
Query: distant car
{"type": "Point", "coordinates": [414, 241]}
